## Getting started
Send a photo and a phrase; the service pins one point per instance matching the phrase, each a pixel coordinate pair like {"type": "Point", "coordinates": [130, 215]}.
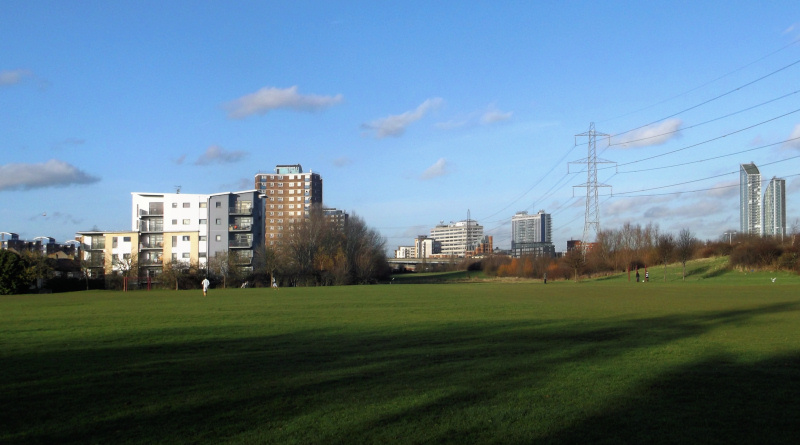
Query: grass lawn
{"type": "Point", "coordinates": [607, 361]}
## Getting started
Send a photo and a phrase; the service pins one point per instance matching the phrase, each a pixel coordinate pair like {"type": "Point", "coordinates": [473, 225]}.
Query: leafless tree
{"type": "Point", "coordinates": [685, 248]}
{"type": "Point", "coordinates": [665, 246]}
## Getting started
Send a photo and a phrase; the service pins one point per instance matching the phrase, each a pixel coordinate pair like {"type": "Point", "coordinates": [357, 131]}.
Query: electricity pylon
{"type": "Point", "coordinates": [592, 217]}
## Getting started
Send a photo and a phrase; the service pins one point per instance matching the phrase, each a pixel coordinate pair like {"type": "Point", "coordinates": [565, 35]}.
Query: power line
{"type": "Point", "coordinates": [710, 159]}
{"type": "Point", "coordinates": [702, 179]}
{"type": "Point", "coordinates": [705, 84]}
{"type": "Point", "coordinates": [706, 122]}
{"type": "Point", "coordinates": [713, 98]}
{"type": "Point", "coordinates": [702, 190]}
{"type": "Point", "coordinates": [709, 140]}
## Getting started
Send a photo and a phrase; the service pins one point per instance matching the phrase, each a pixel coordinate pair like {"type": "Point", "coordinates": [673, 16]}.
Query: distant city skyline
{"type": "Point", "coordinates": [413, 113]}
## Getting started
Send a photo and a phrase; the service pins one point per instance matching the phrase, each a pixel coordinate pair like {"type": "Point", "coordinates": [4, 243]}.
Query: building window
{"type": "Point", "coordinates": [203, 205]}
{"type": "Point", "coordinates": [202, 254]}
{"type": "Point", "coordinates": [186, 238]}
{"type": "Point", "coordinates": [174, 205]}
{"type": "Point", "coordinates": [185, 255]}
{"type": "Point", "coordinates": [219, 238]}
{"type": "Point", "coordinates": [174, 257]}
{"type": "Point", "coordinates": [217, 204]}
{"type": "Point", "coordinates": [203, 221]}
{"type": "Point", "coordinates": [186, 222]}
{"type": "Point", "coordinates": [217, 221]}
{"type": "Point", "coordinates": [126, 256]}
{"type": "Point", "coordinates": [174, 241]}
{"type": "Point", "coordinates": [126, 239]}
{"type": "Point", "coordinates": [174, 222]}
{"type": "Point", "coordinates": [203, 238]}
{"type": "Point", "coordinates": [186, 205]}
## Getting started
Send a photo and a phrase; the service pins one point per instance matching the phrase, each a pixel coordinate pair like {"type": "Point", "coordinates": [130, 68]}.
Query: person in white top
{"type": "Point", "coordinates": [205, 284]}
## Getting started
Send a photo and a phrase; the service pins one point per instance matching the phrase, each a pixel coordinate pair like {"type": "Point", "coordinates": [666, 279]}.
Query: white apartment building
{"type": "Point", "coordinates": [775, 208]}
{"type": "Point", "coordinates": [459, 237]}
{"type": "Point", "coordinates": [531, 234]}
{"type": "Point", "coordinates": [750, 213]}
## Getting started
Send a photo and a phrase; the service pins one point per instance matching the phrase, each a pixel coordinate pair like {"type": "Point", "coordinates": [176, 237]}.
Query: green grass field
{"type": "Point", "coordinates": [715, 360]}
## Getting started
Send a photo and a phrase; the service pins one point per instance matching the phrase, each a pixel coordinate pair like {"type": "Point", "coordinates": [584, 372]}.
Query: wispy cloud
{"type": "Point", "coordinates": [489, 116]}
{"type": "Point", "coordinates": [396, 125]}
{"type": "Point", "coordinates": [494, 115]}
{"type": "Point", "coordinates": [795, 144]}
{"type": "Point", "coordinates": [53, 173]}
{"type": "Point", "coordinates": [271, 98]}
{"type": "Point", "coordinates": [218, 155]}
{"type": "Point", "coordinates": [11, 77]}
{"type": "Point", "coordinates": [650, 135]}
{"type": "Point", "coordinates": [439, 168]}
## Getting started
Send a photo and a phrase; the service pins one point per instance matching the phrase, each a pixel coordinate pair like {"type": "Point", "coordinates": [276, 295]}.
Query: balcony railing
{"type": "Point", "coordinates": [241, 210]}
{"type": "Point", "coordinates": [97, 246]}
{"type": "Point", "coordinates": [240, 243]}
{"type": "Point", "coordinates": [151, 212]}
{"type": "Point", "coordinates": [144, 226]}
{"type": "Point", "coordinates": [240, 227]}
{"type": "Point", "coordinates": [153, 245]}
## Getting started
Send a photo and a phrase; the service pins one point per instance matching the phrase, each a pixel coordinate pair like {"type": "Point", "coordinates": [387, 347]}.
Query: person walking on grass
{"type": "Point", "coordinates": [205, 284]}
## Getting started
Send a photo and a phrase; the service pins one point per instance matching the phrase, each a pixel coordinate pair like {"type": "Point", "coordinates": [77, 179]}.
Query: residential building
{"type": "Point", "coordinates": [188, 228]}
{"type": "Point", "coordinates": [750, 213]}
{"type": "Point", "coordinates": [336, 217]}
{"type": "Point", "coordinates": [291, 193]}
{"type": "Point", "coordinates": [775, 208]}
{"type": "Point", "coordinates": [458, 238]}
{"type": "Point", "coordinates": [532, 235]}
{"type": "Point", "coordinates": [404, 252]}
{"type": "Point", "coordinates": [425, 247]}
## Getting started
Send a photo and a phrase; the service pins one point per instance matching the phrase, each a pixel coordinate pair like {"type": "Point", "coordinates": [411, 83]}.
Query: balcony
{"type": "Point", "coordinates": [241, 210]}
{"type": "Point", "coordinates": [151, 226]}
{"type": "Point", "coordinates": [240, 244]}
{"type": "Point", "coordinates": [96, 246]}
{"type": "Point", "coordinates": [152, 245]}
{"type": "Point", "coordinates": [240, 227]}
{"type": "Point", "coordinates": [151, 212]}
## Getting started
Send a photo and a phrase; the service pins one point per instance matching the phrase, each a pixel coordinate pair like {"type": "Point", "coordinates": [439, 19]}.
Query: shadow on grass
{"type": "Point", "coordinates": [455, 383]}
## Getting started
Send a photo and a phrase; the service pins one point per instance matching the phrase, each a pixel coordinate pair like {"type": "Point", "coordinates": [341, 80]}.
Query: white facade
{"type": "Point", "coordinates": [459, 237]}
{"type": "Point", "coordinates": [404, 252]}
{"type": "Point", "coordinates": [178, 219]}
{"type": "Point", "coordinates": [750, 215]}
{"type": "Point", "coordinates": [531, 234]}
{"type": "Point", "coordinates": [775, 208]}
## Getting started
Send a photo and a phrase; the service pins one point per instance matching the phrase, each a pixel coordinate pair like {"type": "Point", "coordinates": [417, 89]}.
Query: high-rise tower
{"type": "Point", "coordinates": [290, 195]}
{"type": "Point", "coordinates": [750, 215]}
{"type": "Point", "coordinates": [775, 208]}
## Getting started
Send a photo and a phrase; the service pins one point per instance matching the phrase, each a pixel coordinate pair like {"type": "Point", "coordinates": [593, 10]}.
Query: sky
{"type": "Point", "coordinates": [413, 112]}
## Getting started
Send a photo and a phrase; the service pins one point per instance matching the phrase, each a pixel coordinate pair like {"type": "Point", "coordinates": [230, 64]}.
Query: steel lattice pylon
{"type": "Point", "coordinates": [592, 217]}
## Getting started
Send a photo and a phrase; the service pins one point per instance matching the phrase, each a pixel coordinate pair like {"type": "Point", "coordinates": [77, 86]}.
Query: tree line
{"type": "Point", "coordinates": [634, 246]}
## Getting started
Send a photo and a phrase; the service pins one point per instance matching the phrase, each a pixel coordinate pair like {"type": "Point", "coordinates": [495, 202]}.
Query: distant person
{"type": "Point", "coordinates": [205, 284]}
{"type": "Point", "coordinates": [545, 278]}
{"type": "Point", "coordinates": [646, 276]}
{"type": "Point", "coordinates": [274, 284]}
{"type": "Point", "coordinates": [637, 275]}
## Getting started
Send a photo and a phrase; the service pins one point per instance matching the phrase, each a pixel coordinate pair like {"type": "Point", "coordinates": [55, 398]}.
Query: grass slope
{"type": "Point", "coordinates": [602, 362]}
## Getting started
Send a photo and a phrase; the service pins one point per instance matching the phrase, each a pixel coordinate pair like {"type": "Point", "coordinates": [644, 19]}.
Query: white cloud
{"type": "Point", "coordinates": [439, 168]}
{"type": "Point", "coordinates": [52, 173]}
{"type": "Point", "coordinates": [789, 30]}
{"type": "Point", "coordinates": [11, 77]}
{"type": "Point", "coordinates": [218, 155]}
{"type": "Point", "coordinates": [270, 98]}
{"type": "Point", "coordinates": [795, 144]}
{"type": "Point", "coordinates": [493, 116]}
{"type": "Point", "coordinates": [396, 125]}
{"type": "Point", "coordinates": [725, 189]}
{"type": "Point", "coordinates": [651, 135]}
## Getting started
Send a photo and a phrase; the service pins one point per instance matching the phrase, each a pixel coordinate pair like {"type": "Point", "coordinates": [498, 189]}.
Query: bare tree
{"type": "Point", "coordinates": [685, 248]}
{"type": "Point", "coordinates": [665, 246]}
{"type": "Point", "coordinates": [575, 261]}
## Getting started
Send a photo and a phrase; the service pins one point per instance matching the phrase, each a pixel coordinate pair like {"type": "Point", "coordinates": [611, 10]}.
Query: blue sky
{"type": "Point", "coordinates": [413, 112]}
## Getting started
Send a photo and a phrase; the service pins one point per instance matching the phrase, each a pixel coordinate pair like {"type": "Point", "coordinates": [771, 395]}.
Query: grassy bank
{"type": "Point", "coordinates": [485, 362]}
